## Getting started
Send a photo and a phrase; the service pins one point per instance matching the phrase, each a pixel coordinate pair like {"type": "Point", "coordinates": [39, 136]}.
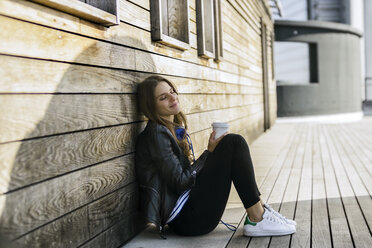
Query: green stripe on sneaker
{"type": "Point", "coordinates": [247, 221]}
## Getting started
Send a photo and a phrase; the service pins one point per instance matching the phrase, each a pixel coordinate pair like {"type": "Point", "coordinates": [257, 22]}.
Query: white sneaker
{"type": "Point", "coordinates": [270, 225]}
{"type": "Point", "coordinates": [268, 207]}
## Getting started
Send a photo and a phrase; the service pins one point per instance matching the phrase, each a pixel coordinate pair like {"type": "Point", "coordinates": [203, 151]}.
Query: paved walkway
{"type": "Point", "coordinates": [320, 174]}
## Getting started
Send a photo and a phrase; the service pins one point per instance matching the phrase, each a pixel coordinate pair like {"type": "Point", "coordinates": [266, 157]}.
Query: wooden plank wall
{"type": "Point", "coordinates": [68, 115]}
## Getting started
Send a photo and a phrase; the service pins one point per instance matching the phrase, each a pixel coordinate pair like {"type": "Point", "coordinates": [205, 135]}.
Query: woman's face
{"type": "Point", "coordinates": [166, 100]}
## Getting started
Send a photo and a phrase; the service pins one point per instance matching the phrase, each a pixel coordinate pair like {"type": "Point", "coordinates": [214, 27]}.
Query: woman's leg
{"type": "Point", "coordinates": [256, 212]}
{"type": "Point", "coordinates": [230, 161]}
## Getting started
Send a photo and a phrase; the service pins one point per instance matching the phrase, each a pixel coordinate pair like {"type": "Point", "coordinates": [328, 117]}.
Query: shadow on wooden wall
{"type": "Point", "coordinates": [70, 181]}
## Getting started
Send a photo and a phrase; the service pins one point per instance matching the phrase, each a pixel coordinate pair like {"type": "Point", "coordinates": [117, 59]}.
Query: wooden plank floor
{"type": "Point", "coordinates": [320, 174]}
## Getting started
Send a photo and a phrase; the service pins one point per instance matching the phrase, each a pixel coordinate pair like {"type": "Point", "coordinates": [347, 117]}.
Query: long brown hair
{"type": "Point", "coordinates": [147, 105]}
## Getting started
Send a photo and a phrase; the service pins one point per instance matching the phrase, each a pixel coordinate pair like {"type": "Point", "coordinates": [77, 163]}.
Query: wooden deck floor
{"type": "Point", "coordinates": [319, 174]}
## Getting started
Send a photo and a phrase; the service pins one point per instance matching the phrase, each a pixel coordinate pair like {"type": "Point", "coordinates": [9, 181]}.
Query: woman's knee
{"type": "Point", "coordinates": [234, 138]}
{"type": "Point", "coordinates": [230, 143]}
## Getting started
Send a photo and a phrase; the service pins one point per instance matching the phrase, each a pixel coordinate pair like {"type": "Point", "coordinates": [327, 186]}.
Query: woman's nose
{"type": "Point", "coordinates": [173, 98]}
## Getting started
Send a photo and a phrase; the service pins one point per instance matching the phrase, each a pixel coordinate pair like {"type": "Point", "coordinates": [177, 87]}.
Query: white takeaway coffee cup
{"type": "Point", "coordinates": [220, 128]}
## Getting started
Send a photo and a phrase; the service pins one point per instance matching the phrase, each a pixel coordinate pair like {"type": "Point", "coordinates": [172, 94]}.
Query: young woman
{"type": "Point", "coordinates": [187, 194]}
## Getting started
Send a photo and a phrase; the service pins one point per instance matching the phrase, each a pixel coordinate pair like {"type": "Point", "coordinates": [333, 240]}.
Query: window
{"type": "Point", "coordinates": [170, 22]}
{"type": "Point", "coordinates": [218, 30]}
{"type": "Point", "coordinates": [102, 12]}
{"type": "Point", "coordinates": [209, 29]}
{"type": "Point", "coordinates": [296, 62]}
{"type": "Point", "coordinates": [329, 11]}
{"type": "Point", "coordinates": [205, 28]}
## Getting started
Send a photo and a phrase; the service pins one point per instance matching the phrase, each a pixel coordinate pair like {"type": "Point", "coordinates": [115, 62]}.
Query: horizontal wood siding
{"type": "Point", "coordinates": [69, 118]}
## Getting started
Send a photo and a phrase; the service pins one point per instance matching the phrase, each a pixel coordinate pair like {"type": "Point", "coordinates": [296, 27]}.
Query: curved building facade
{"type": "Point", "coordinates": [334, 80]}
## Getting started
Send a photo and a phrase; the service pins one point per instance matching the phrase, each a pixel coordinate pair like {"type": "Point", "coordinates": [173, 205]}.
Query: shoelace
{"type": "Point", "coordinates": [277, 214]}
{"type": "Point", "coordinates": [273, 218]}
{"type": "Point", "coordinates": [229, 226]}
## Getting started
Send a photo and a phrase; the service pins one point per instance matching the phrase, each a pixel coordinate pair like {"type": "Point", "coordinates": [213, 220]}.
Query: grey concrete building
{"type": "Point", "coordinates": [368, 56]}
{"type": "Point", "coordinates": [319, 57]}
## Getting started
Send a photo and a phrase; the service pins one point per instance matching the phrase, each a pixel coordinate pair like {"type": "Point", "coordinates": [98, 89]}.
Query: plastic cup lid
{"type": "Point", "coordinates": [220, 124]}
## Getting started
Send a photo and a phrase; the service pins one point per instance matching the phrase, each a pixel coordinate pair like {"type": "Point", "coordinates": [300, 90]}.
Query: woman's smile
{"type": "Point", "coordinates": [174, 105]}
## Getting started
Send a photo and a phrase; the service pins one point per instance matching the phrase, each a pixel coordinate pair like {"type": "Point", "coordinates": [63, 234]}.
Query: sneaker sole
{"type": "Point", "coordinates": [264, 234]}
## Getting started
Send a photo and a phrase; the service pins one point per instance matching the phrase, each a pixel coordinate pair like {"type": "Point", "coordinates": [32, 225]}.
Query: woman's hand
{"type": "Point", "coordinates": [214, 142]}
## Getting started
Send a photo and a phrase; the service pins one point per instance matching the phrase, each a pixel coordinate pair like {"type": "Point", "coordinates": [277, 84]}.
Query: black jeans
{"type": "Point", "coordinates": [229, 162]}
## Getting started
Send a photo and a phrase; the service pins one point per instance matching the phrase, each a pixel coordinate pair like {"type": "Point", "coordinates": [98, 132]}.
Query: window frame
{"type": "Point", "coordinates": [157, 34]}
{"type": "Point", "coordinates": [84, 11]}
{"type": "Point", "coordinates": [201, 29]}
{"type": "Point", "coordinates": [215, 19]}
{"type": "Point", "coordinates": [218, 31]}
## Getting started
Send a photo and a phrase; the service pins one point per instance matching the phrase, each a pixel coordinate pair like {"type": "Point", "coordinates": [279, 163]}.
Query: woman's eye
{"type": "Point", "coordinates": [163, 98]}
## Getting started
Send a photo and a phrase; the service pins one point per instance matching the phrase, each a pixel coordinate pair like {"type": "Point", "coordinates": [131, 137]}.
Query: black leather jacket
{"type": "Point", "coordinates": [163, 172]}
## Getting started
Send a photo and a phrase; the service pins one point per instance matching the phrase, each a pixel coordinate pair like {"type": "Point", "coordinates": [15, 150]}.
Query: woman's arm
{"type": "Point", "coordinates": [180, 178]}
